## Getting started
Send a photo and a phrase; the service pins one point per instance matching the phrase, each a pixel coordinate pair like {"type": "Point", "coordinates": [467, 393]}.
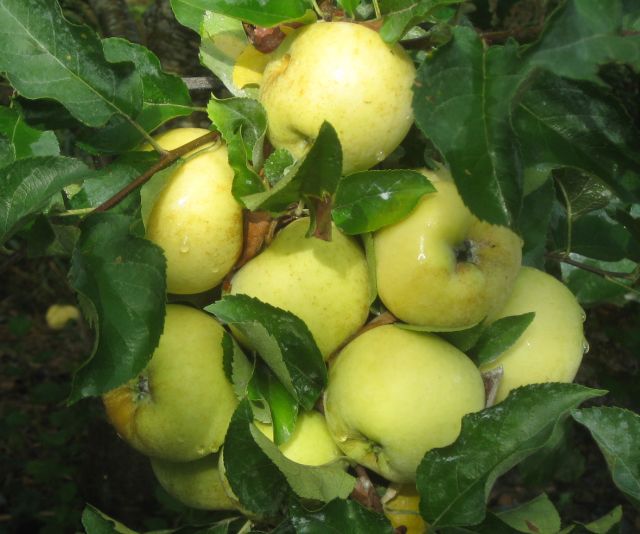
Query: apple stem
{"type": "Point", "coordinates": [365, 492]}
{"type": "Point", "coordinates": [166, 159]}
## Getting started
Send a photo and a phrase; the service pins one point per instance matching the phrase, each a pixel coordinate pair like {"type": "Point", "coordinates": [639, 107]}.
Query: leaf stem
{"type": "Point", "coordinates": [569, 217]}
{"type": "Point", "coordinates": [376, 9]}
{"type": "Point", "coordinates": [168, 157]}
{"type": "Point", "coordinates": [72, 213]}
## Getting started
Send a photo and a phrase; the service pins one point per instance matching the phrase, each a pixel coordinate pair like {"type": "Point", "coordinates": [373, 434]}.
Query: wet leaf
{"type": "Point", "coordinates": [490, 443]}
{"type": "Point", "coordinates": [617, 433]}
{"type": "Point", "coordinates": [367, 201]}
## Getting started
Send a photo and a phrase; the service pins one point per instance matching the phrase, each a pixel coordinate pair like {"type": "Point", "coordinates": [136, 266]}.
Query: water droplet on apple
{"type": "Point", "coordinates": [380, 155]}
{"type": "Point", "coordinates": [184, 245]}
{"type": "Point", "coordinates": [201, 451]}
{"type": "Point", "coordinates": [585, 346]}
{"type": "Point", "coordinates": [583, 316]}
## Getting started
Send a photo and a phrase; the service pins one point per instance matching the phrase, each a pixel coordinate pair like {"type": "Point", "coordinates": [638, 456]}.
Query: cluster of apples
{"type": "Point", "coordinates": [393, 393]}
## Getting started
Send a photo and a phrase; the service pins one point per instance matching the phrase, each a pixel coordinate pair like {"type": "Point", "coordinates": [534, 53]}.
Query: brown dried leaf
{"type": "Point", "coordinates": [265, 40]}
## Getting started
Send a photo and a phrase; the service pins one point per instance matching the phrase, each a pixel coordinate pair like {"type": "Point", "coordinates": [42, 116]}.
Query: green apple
{"type": "Point", "coordinates": [551, 348]}
{"type": "Point", "coordinates": [195, 484]}
{"type": "Point", "coordinates": [195, 219]}
{"type": "Point", "coordinates": [442, 267]}
{"type": "Point", "coordinates": [394, 394]}
{"type": "Point", "coordinates": [178, 408]}
{"type": "Point", "coordinates": [311, 442]}
{"type": "Point", "coordinates": [343, 73]}
{"type": "Point", "coordinates": [324, 283]}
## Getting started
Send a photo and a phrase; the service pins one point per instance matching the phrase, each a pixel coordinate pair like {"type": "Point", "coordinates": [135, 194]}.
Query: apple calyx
{"type": "Point", "coordinates": [142, 388]}
{"type": "Point", "coordinates": [466, 252]}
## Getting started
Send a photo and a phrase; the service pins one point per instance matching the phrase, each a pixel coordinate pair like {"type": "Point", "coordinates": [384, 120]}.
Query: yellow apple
{"type": "Point", "coordinates": [58, 315]}
{"type": "Point", "coordinates": [343, 73]}
{"type": "Point", "coordinates": [394, 394]}
{"type": "Point", "coordinates": [403, 509]}
{"type": "Point", "coordinates": [195, 484]}
{"type": "Point", "coordinates": [195, 219]}
{"type": "Point", "coordinates": [324, 283]}
{"type": "Point", "coordinates": [551, 348]}
{"type": "Point", "coordinates": [180, 405]}
{"type": "Point", "coordinates": [442, 267]}
{"type": "Point", "coordinates": [311, 442]}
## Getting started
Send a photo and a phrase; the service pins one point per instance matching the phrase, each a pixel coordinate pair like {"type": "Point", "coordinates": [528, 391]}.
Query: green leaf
{"type": "Point", "coordinates": [597, 236]}
{"type": "Point", "coordinates": [315, 177]}
{"type": "Point", "coordinates": [461, 102]}
{"type": "Point", "coordinates": [400, 15]}
{"type": "Point", "coordinates": [590, 288]}
{"type": "Point", "coordinates": [27, 185]}
{"type": "Point", "coordinates": [237, 367]}
{"type": "Point", "coordinates": [606, 523]}
{"type": "Point", "coordinates": [349, 6]}
{"type": "Point", "coordinates": [318, 483]}
{"type": "Point", "coordinates": [44, 56]}
{"type": "Point", "coordinates": [189, 13]}
{"type": "Point", "coordinates": [573, 124]}
{"type": "Point", "coordinates": [240, 115]}
{"type": "Point", "coordinates": [258, 484]}
{"type": "Point", "coordinates": [582, 193]}
{"type": "Point", "coordinates": [242, 122]}
{"type": "Point", "coordinates": [580, 37]}
{"type": "Point", "coordinates": [105, 182]}
{"type": "Point", "coordinates": [617, 433]}
{"type": "Point", "coordinates": [96, 522]}
{"type": "Point", "coordinates": [533, 223]}
{"type": "Point", "coordinates": [490, 443]}
{"type": "Point", "coordinates": [223, 40]}
{"type": "Point", "coordinates": [282, 405]}
{"type": "Point", "coordinates": [335, 515]}
{"type": "Point", "coordinates": [499, 336]}
{"type": "Point", "coordinates": [465, 339]}
{"type": "Point", "coordinates": [165, 96]}
{"type": "Point", "coordinates": [560, 460]}
{"type": "Point", "coordinates": [367, 201]}
{"type": "Point", "coordinates": [283, 341]}
{"type": "Point", "coordinates": [260, 12]}
{"type": "Point", "coordinates": [43, 238]}
{"type": "Point", "coordinates": [120, 280]}
{"type": "Point", "coordinates": [22, 140]}
{"type": "Point", "coordinates": [276, 165]}
{"type": "Point", "coordinates": [538, 516]}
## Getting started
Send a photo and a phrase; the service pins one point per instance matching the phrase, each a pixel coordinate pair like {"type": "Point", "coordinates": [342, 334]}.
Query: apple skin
{"type": "Point", "coordinates": [552, 346]}
{"type": "Point", "coordinates": [403, 510]}
{"type": "Point", "coordinates": [420, 279]}
{"type": "Point", "coordinates": [324, 283]}
{"type": "Point", "coordinates": [311, 442]}
{"type": "Point", "coordinates": [180, 405]}
{"type": "Point", "coordinates": [195, 219]}
{"type": "Point", "coordinates": [195, 484]}
{"type": "Point", "coordinates": [345, 74]}
{"type": "Point", "coordinates": [394, 394]}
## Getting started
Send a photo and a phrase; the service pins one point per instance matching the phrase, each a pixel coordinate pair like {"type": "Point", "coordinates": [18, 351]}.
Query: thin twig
{"type": "Point", "coordinates": [632, 276]}
{"type": "Point", "coordinates": [167, 159]}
